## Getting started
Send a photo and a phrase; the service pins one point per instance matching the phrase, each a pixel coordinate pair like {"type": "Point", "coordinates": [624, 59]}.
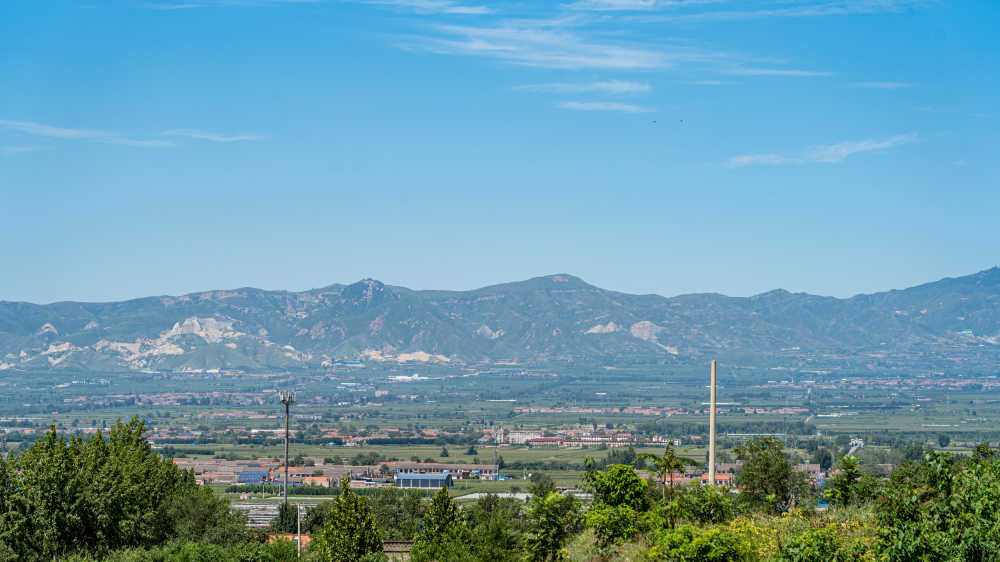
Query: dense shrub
{"type": "Point", "coordinates": [688, 543]}
{"type": "Point", "coordinates": [614, 524]}
{"type": "Point", "coordinates": [942, 510]}
{"type": "Point", "coordinates": [184, 551]}
{"type": "Point", "coordinates": [619, 485]}
{"type": "Point", "coordinates": [706, 504]}
{"type": "Point", "coordinates": [813, 545]}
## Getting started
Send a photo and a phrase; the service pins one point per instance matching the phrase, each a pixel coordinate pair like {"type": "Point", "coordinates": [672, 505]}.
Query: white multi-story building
{"type": "Point", "coordinates": [520, 437]}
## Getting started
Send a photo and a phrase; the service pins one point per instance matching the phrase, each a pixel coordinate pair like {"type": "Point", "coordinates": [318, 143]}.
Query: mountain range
{"type": "Point", "coordinates": [954, 322]}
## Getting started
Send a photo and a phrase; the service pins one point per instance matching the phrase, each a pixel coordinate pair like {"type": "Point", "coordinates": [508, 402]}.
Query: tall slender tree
{"type": "Point", "coordinates": [666, 465]}
{"type": "Point", "coordinates": [442, 516]}
{"type": "Point", "coordinates": [350, 532]}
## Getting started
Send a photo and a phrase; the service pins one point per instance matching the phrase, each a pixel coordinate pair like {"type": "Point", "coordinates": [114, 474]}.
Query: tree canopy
{"type": "Point", "coordinates": [350, 532]}
{"type": "Point", "coordinates": [65, 496]}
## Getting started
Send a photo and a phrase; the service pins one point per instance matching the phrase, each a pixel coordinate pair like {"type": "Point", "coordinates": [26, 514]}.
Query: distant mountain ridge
{"type": "Point", "coordinates": [954, 321]}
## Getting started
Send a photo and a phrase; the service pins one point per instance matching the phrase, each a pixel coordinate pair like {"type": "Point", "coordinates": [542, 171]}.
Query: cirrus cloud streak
{"type": "Point", "coordinates": [603, 106]}
{"type": "Point", "coordinates": [824, 154]}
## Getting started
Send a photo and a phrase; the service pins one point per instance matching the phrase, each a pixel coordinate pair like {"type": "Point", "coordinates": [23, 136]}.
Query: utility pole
{"type": "Point", "coordinates": [711, 429]}
{"type": "Point", "coordinates": [298, 510]}
{"type": "Point", "coordinates": [287, 398]}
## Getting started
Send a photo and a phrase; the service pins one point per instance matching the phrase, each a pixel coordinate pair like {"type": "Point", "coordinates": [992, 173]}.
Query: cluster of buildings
{"type": "Point", "coordinates": [725, 474]}
{"type": "Point", "coordinates": [404, 474]}
{"type": "Point", "coordinates": [578, 438]}
{"type": "Point", "coordinates": [222, 472]}
{"type": "Point", "coordinates": [655, 410]}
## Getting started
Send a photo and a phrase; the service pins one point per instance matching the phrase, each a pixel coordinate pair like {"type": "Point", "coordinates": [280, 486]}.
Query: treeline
{"type": "Point", "coordinates": [173, 452]}
{"type": "Point", "coordinates": [941, 508]}
{"type": "Point", "coordinates": [666, 426]}
{"type": "Point", "coordinates": [354, 528]}
{"type": "Point", "coordinates": [111, 498]}
{"type": "Point", "coordinates": [70, 496]}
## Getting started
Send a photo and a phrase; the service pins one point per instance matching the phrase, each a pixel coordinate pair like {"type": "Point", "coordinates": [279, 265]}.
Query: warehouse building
{"type": "Point", "coordinates": [416, 480]}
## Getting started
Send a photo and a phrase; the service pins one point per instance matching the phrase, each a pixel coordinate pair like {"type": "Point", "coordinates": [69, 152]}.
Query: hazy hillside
{"type": "Point", "coordinates": [554, 318]}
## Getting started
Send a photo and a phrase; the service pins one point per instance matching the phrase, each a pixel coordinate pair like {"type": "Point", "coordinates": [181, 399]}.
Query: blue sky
{"type": "Point", "coordinates": [666, 146]}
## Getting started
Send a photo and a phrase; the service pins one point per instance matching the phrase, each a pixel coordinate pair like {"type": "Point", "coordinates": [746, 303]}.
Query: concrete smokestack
{"type": "Point", "coordinates": [711, 429]}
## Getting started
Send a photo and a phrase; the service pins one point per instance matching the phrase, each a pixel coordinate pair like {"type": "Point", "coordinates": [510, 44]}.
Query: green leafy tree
{"type": "Point", "coordinates": [107, 493]}
{"type": "Point", "coordinates": [287, 520]}
{"type": "Point", "coordinates": [691, 544]}
{"type": "Point", "coordinates": [201, 515]}
{"type": "Point", "coordinates": [444, 452]}
{"type": "Point", "coordinates": [706, 504]}
{"type": "Point", "coordinates": [843, 489]}
{"type": "Point", "coordinates": [983, 452]}
{"type": "Point", "coordinates": [490, 531]}
{"type": "Point", "coordinates": [497, 526]}
{"type": "Point", "coordinates": [767, 477]}
{"type": "Point", "coordinates": [667, 465]}
{"type": "Point", "coordinates": [442, 516]}
{"type": "Point", "coordinates": [444, 537]}
{"type": "Point", "coordinates": [619, 499]}
{"type": "Point", "coordinates": [350, 532]}
{"type": "Point", "coordinates": [941, 509]}
{"type": "Point", "coordinates": [553, 518]}
{"type": "Point", "coordinates": [814, 545]}
{"type": "Point", "coordinates": [614, 524]}
{"type": "Point", "coordinates": [541, 484]}
{"type": "Point", "coordinates": [314, 519]}
{"type": "Point", "coordinates": [13, 515]}
{"type": "Point", "coordinates": [944, 440]}
{"type": "Point", "coordinates": [396, 512]}
{"type": "Point", "coordinates": [823, 457]}
{"type": "Point", "coordinates": [57, 513]}
{"type": "Point", "coordinates": [618, 485]}
{"type": "Point", "coordinates": [913, 452]}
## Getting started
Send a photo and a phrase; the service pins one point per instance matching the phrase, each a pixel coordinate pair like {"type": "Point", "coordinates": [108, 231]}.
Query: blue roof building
{"type": "Point", "coordinates": [415, 480]}
{"type": "Point", "coordinates": [252, 477]}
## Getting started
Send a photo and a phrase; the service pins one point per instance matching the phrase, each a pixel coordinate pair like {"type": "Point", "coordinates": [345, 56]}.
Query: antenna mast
{"type": "Point", "coordinates": [287, 398]}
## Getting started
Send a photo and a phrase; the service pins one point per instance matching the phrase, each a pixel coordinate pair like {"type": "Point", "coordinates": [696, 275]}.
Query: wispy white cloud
{"type": "Point", "coordinates": [840, 151]}
{"type": "Point", "coordinates": [603, 106]}
{"type": "Point", "coordinates": [882, 85]}
{"type": "Point", "coordinates": [741, 71]}
{"type": "Point", "coordinates": [11, 150]}
{"type": "Point", "coordinates": [752, 159]}
{"type": "Point", "coordinates": [109, 137]}
{"type": "Point", "coordinates": [175, 6]}
{"type": "Point", "coordinates": [213, 137]}
{"type": "Point", "coordinates": [791, 9]}
{"type": "Point", "coordinates": [138, 142]}
{"type": "Point", "coordinates": [617, 87]}
{"type": "Point", "coordinates": [826, 154]}
{"type": "Point", "coordinates": [167, 6]}
{"type": "Point", "coordinates": [549, 44]}
{"type": "Point", "coordinates": [434, 6]}
{"type": "Point", "coordinates": [635, 5]}
{"type": "Point", "coordinates": [42, 130]}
